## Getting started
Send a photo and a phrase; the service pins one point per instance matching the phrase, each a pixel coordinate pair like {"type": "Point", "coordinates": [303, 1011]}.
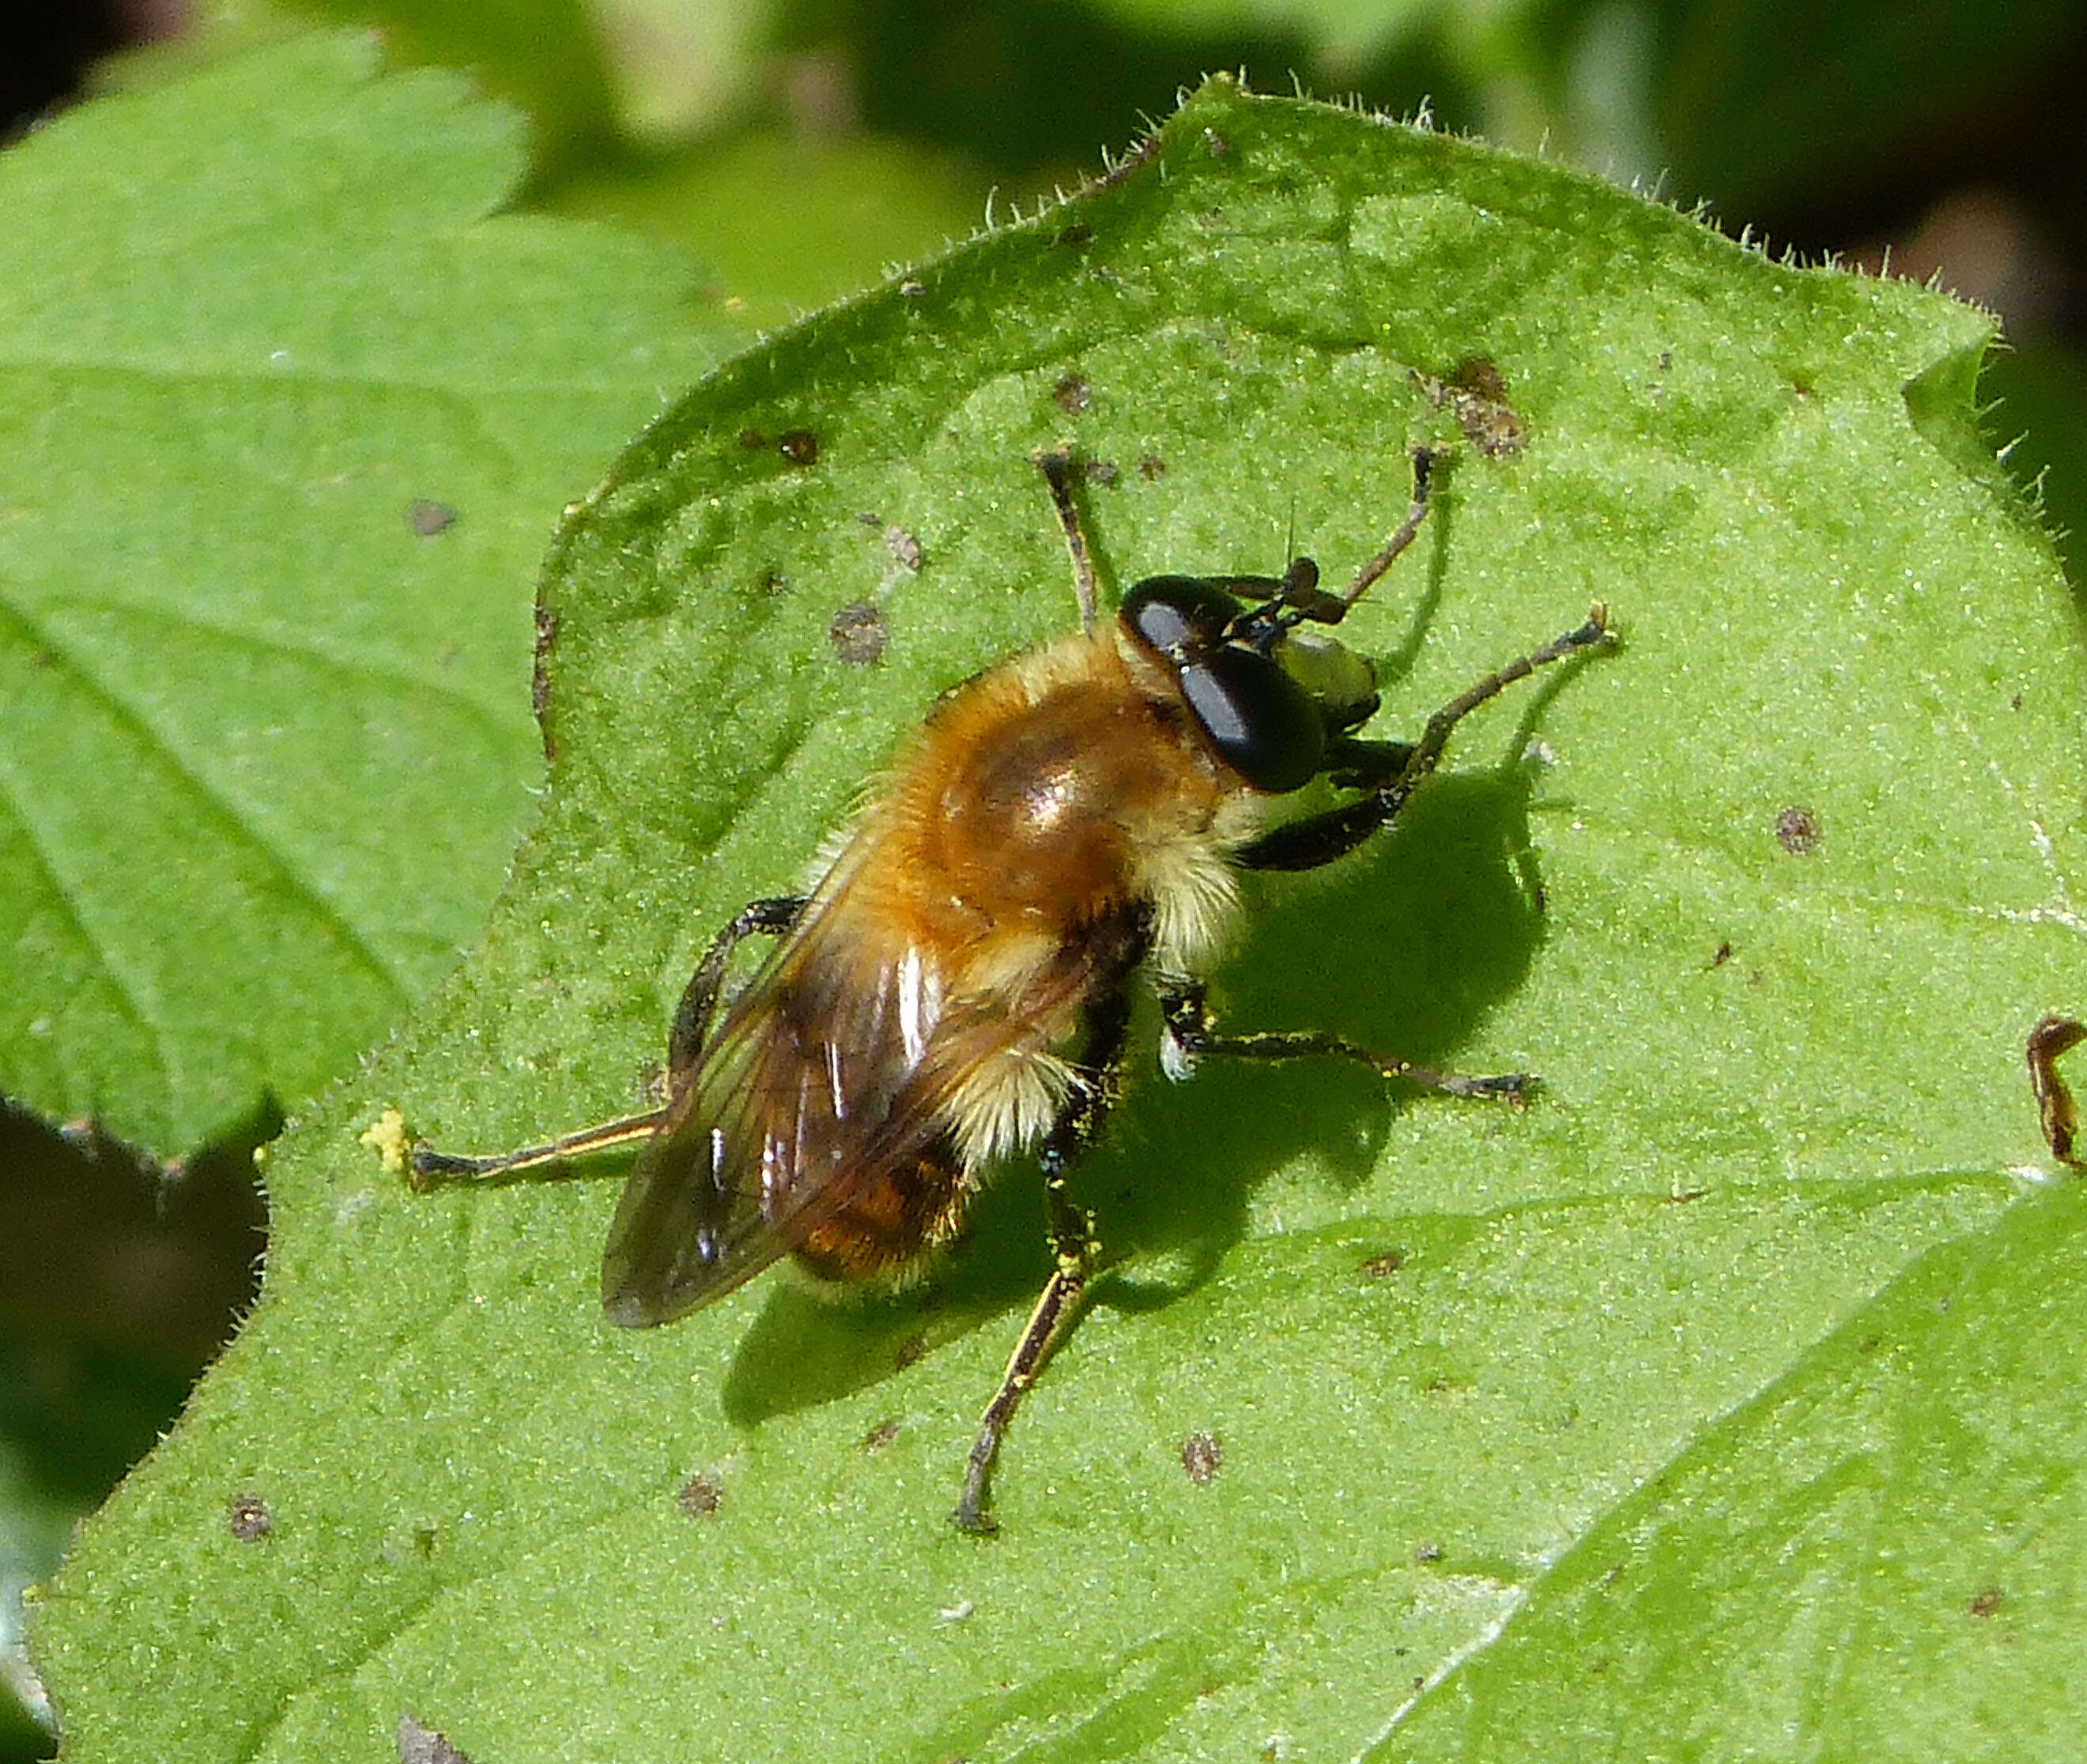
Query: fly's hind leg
{"type": "Point", "coordinates": [1072, 1234]}
{"type": "Point", "coordinates": [429, 1169]}
{"type": "Point", "coordinates": [693, 1019]}
{"type": "Point", "coordinates": [1072, 1244]}
{"type": "Point", "coordinates": [1189, 1037]}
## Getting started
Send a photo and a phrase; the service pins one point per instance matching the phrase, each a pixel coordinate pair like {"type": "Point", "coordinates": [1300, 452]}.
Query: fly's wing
{"type": "Point", "coordinates": [811, 1088]}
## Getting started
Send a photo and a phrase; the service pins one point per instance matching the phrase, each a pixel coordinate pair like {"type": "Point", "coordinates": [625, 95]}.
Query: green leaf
{"type": "Point", "coordinates": [1883, 1546]}
{"type": "Point", "coordinates": [545, 57]}
{"type": "Point", "coordinates": [282, 428]}
{"type": "Point", "coordinates": [77, 1408]}
{"type": "Point", "coordinates": [1769, 897]}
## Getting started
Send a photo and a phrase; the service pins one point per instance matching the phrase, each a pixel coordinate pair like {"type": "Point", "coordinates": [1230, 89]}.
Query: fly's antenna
{"type": "Point", "coordinates": [1424, 472]}
{"type": "Point", "coordinates": [1058, 469]}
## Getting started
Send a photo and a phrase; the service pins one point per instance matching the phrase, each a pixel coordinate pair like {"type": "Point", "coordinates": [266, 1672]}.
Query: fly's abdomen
{"type": "Point", "coordinates": [888, 1221]}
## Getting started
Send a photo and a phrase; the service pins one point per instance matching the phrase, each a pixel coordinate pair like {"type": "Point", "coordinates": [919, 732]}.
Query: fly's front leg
{"type": "Point", "coordinates": [1189, 1038]}
{"type": "Point", "coordinates": [1072, 1234]}
{"type": "Point", "coordinates": [1391, 771]}
{"type": "Point", "coordinates": [1375, 767]}
{"type": "Point", "coordinates": [684, 1045]}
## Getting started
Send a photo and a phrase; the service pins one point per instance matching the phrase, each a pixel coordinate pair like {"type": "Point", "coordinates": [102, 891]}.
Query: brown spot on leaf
{"type": "Point", "coordinates": [248, 1515]}
{"type": "Point", "coordinates": [1474, 393]}
{"type": "Point", "coordinates": [1798, 832]}
{"type": "Point", "coordinates": [1071, 394]}
{"type": "Point", "coordinates": [1201, 1457]}
{"type": "Point", "coordinates": [419, 1743]}
{"type": "Point", "coordinates": [859, 633]}
{"type": "Point", "coordinates": [905, 549]}
{"type": "Point", "coordinates": [699, 1496]}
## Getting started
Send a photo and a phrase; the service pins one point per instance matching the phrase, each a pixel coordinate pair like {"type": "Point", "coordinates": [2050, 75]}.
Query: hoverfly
{"type": "Point", "coordinates": [956, 988]}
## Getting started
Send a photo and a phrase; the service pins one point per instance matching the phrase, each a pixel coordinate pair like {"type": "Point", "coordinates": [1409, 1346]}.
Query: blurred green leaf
{"type": "Point", "coordinates": [284, 428]}
{"type": "Point", "coordinates": [681, 67]}
{"type": "Point", "coordinates": [1341, 31]}
{"type": "Point", "coordinates": [1769, 898]}
{"type": "Point", "coordinates": [35, 1524]}
{"type": "Point", "coordinates": [785, 224]}
{"type": "Point", "coordinates": [545, 56]}
{"type": "Point", "coordinates": [77, 1408]}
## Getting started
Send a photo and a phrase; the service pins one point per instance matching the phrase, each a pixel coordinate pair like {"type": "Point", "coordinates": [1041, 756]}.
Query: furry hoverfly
{"type": "Point", "coordinates": [955, 989]}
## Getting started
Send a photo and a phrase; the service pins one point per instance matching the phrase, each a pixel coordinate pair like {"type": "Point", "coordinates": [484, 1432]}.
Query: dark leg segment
{"type": "Point", "coordinates": [1071, 1230]}
{"type": "Point", "coordinates": [685, 1045]}
{"type": "Point", "coordinates": [1058, 469]}
{"type": "Point", "coordinates": [1366, 577]}
{"type": "Point", "coordinates": [693, 1017]}
{"type": "Point", "coordinates": [431, 1167]}
{"type": "Point", "coordinates": [1319, 839]}
{"type": "Point", "coordinates": [1188, 1028]}
{"type": "Point", "coordinates": [1591, 635]}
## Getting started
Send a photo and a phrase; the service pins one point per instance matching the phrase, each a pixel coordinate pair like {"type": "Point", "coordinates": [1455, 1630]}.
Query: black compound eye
{"type": "Point", "coordinates": [1180, 617]}
{"type": "Point", "coordinates": [1263, 724]}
